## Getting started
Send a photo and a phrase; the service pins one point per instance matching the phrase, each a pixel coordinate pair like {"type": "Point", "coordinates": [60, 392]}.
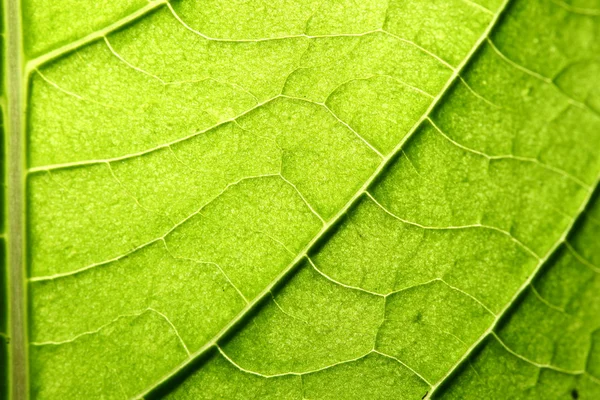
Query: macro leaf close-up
{"type": "Point", "coordinates": [300, 199]}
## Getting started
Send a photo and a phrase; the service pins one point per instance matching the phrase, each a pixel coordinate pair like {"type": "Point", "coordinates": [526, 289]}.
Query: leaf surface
{"type": "Point", "coordinates": [312, 199]}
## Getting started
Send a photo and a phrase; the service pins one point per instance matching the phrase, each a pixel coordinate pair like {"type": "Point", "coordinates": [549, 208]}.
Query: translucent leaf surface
{"type": "Point", "coordinates": [308, 199]}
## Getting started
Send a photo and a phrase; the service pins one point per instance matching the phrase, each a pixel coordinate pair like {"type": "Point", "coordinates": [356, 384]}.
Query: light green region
{"type": "Point", "coordinates": [331, 62]}
{"type": "Point", "coordinates": [586, 73]}
{"type": "Point", "coordinates": [381, 109]}
{"type": "Point", "coordinates": [219, 379]}
{"type": "Point", "coordinates": [494, 373]}
{"type": "Point", "coordinates": [247, 218]}
{"type": "Point", "coordinates": [424, 327]}
{"type": "Point", "coordinates": [362, 254]}
{"type": "Point", "coordinates": [374, 376]}
{"type": "Point", "coordinates": [514, 108]}
{"type": "Point", "coordinates": [309, 313]}
{"type": "Point", "coordinates": [321, 157]}
{"type": "Point", "coordinates": [237, 19]}
{"type": "Point", "coordinates": [446, 28]}
{"type": "Point", "coordinates": [112, 109]}
{"type": "Point", "coordinates": [179, 178]}
{"type": "Point", "coordinates": [104, 366]}
{"type": "Point", "coordinates": [457, 187]}
{"type": "Point", "coordinates": [178, 54]}
{"type": "Point", "coordinates": [548, 347]}
{"type": "Point", "coordinates": [81, 212]}
{"type": "Point", "coordinates": [181, 290]}
{"type": "Point", "coordinates": [571, 31]}
{"type": "Point", "coordinates": [50, 24]}
{"type": "Point", "coordinates": [306, 200]}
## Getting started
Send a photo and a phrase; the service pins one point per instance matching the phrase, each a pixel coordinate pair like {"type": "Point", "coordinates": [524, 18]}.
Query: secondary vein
{"type": "Point", "coordinates": [509, 306]}
{"type": "Point", "coordinates": [333, 221]}
{"type": "Point", "coordinates": [56, 53]}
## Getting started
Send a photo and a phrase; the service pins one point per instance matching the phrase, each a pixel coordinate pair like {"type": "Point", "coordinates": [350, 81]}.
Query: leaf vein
{"type": "Point", "coordinates": [293, 265]}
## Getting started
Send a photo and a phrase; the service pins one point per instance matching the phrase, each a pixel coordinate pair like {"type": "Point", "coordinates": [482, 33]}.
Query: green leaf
{"type": "Point", "coordinates": [303, 199]}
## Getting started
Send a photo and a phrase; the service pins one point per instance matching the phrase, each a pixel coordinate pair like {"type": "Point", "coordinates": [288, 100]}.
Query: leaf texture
{"type": "Point", "coordinates": [312, 199]}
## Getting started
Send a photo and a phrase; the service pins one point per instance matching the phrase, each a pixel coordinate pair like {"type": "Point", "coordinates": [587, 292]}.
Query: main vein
{"type": "Point", "coordinates": [15, 191]}
{"type": "Point", "coordinates": [334, 220]}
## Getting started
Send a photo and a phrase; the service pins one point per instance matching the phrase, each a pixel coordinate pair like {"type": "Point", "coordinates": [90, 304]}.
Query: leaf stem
{"type": "Point", "coordinates": [16, 97]}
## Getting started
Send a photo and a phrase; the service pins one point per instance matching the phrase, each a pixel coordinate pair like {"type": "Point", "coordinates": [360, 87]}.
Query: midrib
{"type": "Point", "coordinates": [16, 86]}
